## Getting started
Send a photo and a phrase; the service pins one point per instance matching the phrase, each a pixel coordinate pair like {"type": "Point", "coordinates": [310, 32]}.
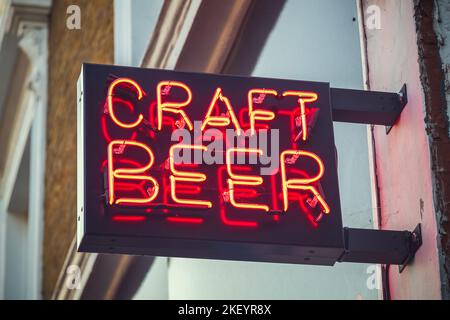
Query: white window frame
{"type": "Point", "coordinates": [29, 22]}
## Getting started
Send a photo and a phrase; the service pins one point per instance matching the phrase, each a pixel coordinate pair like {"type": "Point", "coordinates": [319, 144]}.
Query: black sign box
{"type": "Point", "coordinates": [302, 234]}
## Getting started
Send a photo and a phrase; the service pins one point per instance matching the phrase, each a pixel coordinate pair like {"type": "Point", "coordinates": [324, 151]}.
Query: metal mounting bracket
{"type": "Point", "coordinates": [403, 95]}
{"type": "Point", "coordinates": [368, 107]}
{"type": "Point", "coordinates": [415, 242]}
{"type": "Point", "coordinates": [381, 246]}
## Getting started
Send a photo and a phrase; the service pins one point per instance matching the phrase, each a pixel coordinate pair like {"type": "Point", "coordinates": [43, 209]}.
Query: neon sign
{"type": "Point", "coordinates": [244, 168]}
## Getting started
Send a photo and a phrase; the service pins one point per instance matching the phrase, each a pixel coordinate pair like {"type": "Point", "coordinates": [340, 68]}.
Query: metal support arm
{"type": "Point", "coordinates": [381, 246]}
{"type": "Point", "coordinates": [369, 107]}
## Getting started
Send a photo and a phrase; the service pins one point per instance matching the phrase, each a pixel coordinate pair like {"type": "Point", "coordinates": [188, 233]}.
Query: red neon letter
{"type": "Point", "coordinates": [174, 107]}
{"type": "Point", "coordinates": [185, 177]}
{"type": "Point", "coordinates": [130, 173]}
{"type": "Point", "coordinates": [263, 115]}
{"type": "Point", "coordinates": [221, 121]}
{"type": "Point", "coordinates": [243, 180]}
{"type": "Point", "coordinates": [303, 97]}
{"type": "Point", "coordinates": [301, 183]}
{"type": "Point", "coordinates": [110, 101]}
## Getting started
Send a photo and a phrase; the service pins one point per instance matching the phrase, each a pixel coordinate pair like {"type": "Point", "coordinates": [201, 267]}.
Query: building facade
{"type": "Point", "coordinates": [389, 180]}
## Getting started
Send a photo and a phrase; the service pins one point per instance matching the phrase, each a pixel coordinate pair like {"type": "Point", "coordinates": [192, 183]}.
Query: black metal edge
{"type": "Point", "coordinates": [403, 96]}
{"type": "Point", "coordinates": [415, 242]}
{"type": "Point", "coordinates": [210, 249]}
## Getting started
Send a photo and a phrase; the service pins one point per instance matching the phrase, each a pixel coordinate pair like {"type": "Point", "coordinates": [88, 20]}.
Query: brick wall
{"type": "Point", "coordinates": [68, 49]}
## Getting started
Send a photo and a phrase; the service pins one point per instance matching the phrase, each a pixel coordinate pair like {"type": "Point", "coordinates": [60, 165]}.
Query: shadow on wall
{"type": "Point", "coordinates": [117, 278]}
{"type": "Point", "coordinates": [252, 39]}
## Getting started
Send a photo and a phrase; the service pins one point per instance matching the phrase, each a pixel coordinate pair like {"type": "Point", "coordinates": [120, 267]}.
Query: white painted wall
{"type": "Point", "coordinates": [16, 256]}
{"type": "Point", "coordinates": [154, 286]}
{"type": "Point", "coordinates": [312, 40]}
{"type": "Point", "coordinates": [134, 21]}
